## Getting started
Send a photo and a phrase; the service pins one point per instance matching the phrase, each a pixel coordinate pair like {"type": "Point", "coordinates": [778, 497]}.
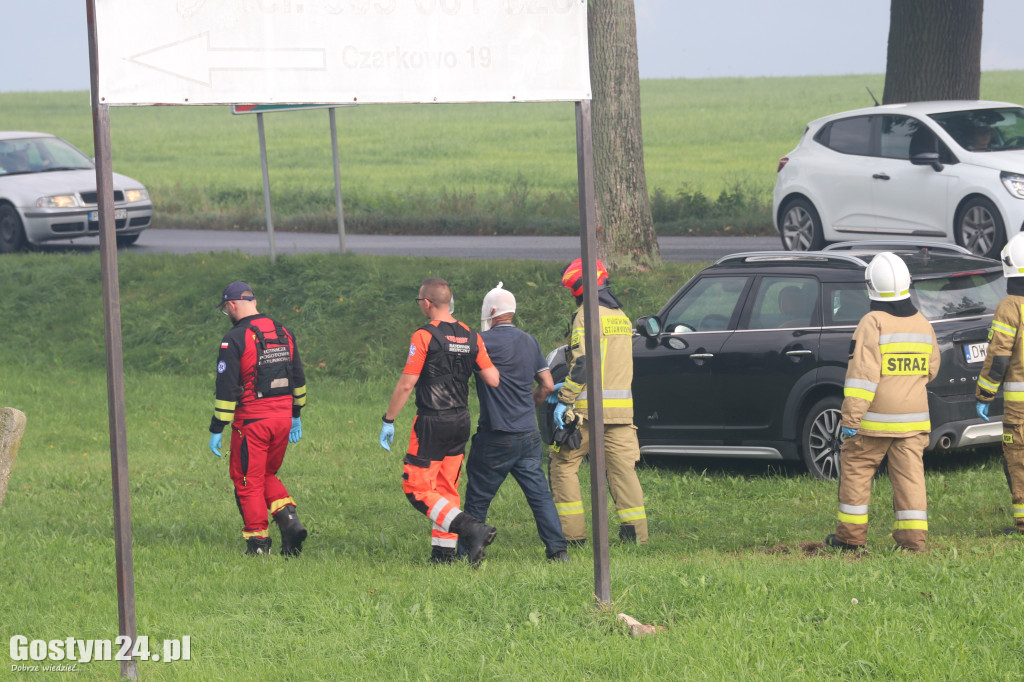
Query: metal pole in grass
{"type": "Point", "coordinates": [592, 334]}
{"type": "Point", "coordinates": [266, 187]}
{"type": "Point", "coordinates": [115, 358]}
{"type": "Point", "coordinates": [337, 181]}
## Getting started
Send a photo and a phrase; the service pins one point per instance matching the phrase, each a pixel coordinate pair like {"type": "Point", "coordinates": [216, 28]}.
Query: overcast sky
{"type": "Point", "coordinates": [46, 41]}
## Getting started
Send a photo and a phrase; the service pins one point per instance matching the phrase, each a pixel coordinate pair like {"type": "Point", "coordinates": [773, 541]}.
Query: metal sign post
{"type": "Point", "coordinates": [266, 188]}
{"type": "Point", "coordinates": [259, 110]}
{"type": "Point", "coordinates": [592, 335]}
{"type": "Point", "coordinates": [115, 358]}
{"type": "Point", "coordinates": [337, 181]}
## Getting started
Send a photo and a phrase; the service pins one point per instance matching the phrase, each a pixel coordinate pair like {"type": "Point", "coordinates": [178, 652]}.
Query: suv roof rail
{"type": "Point", "coordinates": [791, 257]}
{"type": "Point", "coordinates": [886, 245]}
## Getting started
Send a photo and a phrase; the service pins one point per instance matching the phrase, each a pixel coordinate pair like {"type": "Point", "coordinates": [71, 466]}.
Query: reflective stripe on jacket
{"type": "Point", "coordinates": [891, 362]}
{"type": "Point", "coordinates": [1004, 363]}
{"type": "Point", "coordinates": [616, 366]}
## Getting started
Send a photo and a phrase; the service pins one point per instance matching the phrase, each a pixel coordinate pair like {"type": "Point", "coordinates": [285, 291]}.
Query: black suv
{"type": "Point", "coordinates": [748, 359]}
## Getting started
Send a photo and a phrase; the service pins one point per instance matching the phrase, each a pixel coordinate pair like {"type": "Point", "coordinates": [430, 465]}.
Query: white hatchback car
{"type": "Point", "coordinates": [929, 171]}
{"type": "Point", "coordinates": [48, 191]}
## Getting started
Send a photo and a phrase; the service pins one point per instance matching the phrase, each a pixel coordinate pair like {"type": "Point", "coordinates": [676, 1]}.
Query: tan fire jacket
{"type": "Point", "coordinates": [891, 362]}
{"type": "Point", "coordinates": [1004, 363]}
{"type": "Point", "coordinates": [616, 367]}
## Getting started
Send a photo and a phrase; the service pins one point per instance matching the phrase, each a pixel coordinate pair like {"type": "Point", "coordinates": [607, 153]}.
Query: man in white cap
{"type": "Point", "coordinates": [507, 441]}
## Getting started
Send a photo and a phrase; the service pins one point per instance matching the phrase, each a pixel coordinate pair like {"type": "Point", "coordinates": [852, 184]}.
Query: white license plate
{"type": "Point", "coordinates": [975, 352]}
{"type": "Point", "coordinates": [119, 214]}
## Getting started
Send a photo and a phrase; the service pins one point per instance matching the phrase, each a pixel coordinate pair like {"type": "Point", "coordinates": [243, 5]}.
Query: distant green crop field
{"type": "Point", "coordinates": [456, 168]}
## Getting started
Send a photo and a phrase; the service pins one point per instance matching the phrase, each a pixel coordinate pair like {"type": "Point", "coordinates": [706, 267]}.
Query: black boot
{"type": "Point", "coordinates": [254, 546]}
{"type": "Point", "coordinates": [836, 543]}
{"type": "Point", "coordinates": [442, 555]}
{"type": "Point", "coordinates": [292, 531]}
{"type": "Point", "coordinates": [627, 534]}
{"type": "Point", "coordinates": [475, 536]}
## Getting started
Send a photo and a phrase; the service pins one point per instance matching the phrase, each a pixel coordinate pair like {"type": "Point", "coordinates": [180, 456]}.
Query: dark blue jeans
{"type": "Point", "coordinates": [493, 455]}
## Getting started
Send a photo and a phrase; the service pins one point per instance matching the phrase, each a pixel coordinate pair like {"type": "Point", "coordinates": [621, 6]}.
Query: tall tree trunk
{"type": "Point", "coordinates": [626, 237]}
{"type": "Point", "coordinates": [934, 50]}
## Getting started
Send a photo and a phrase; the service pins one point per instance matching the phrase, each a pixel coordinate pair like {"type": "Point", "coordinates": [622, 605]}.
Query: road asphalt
{"type": "Point", "coordinates": [676, 249]}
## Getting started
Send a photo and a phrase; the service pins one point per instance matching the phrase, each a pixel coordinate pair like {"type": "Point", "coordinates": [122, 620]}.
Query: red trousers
{"type": "Point", "coordinates": [257, 450]}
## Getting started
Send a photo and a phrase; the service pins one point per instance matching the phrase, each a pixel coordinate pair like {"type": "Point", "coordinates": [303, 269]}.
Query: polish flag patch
{"type": "Point", "coordinates": [224, 345]}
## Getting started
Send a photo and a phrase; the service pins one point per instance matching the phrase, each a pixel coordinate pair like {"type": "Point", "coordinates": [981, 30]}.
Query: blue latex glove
{"type": "Point", "coordinates": [560, 415]}
{"type": "Point", "coordinates": [848, 432]}
{"type": "Point", "coordinates": [553, 398]}
{"type": "Point", "coordinates": [215, 440]}
{"type": "Point", "coordinates": [387, 435]}
{"type": "Point", "coordinates": [983, 410]}
{"type": "Point", "coordinates": [296, 433]}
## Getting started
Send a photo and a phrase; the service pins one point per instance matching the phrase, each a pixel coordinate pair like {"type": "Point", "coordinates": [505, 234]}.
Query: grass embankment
{"type": "Point", "coordinates": [724, 572]}
{"type": "Point", "coordinates": [711, 149]}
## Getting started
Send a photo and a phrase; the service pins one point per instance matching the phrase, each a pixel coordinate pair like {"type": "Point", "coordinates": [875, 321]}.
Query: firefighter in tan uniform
{"type": "Point", "coordinates": [1004, 365]}
{"type": "Point", "coordinates": [893, 355]}
{"type": "Point", "coordinates": [622, 451]}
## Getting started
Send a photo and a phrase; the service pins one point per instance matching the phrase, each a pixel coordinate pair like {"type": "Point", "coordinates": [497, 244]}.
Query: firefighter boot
{"type": "Point", "coordinates": [475, 536]}
{"type": "Point", "coordinates": [627, 534]}
{"type": "Point", "coordinates": [254, 546]}
{"type": "Point", "coordinates": [836, 543]}
{"type": "Point", "coordinates": [292, 531]}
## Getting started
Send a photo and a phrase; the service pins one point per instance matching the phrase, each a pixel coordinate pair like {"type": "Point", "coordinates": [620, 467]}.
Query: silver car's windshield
{"type": "Point", "coordinates": [40, 155]}
{"type": "Point", "coordinates": [958, 295]}
{"type": "Point", "coordinates": [985, 130]}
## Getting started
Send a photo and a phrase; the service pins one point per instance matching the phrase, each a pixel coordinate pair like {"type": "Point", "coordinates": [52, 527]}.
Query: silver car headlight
{"type": "Point", "coordinates": [1014, 183]}
{"type": "Point", "coordinates": [58, 201]}
{"type": "Point", "coordinates": [133, 195]}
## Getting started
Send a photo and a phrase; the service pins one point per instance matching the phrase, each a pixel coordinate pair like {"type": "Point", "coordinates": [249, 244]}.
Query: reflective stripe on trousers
{"type": "Point", "coordinates": [905, 423]}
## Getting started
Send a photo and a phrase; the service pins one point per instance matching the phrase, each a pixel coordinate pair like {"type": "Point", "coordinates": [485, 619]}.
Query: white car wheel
{"type": "Point", "coordinates": [979, 228]}
{"type": "Point", "coordinates": [801, 227]}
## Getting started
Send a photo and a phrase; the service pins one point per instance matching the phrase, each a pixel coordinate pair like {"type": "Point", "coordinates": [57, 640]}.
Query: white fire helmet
{"type": "Point", "coordinates": [887, 277]}
{"type": "Point", "coordinates": [497, 302]}
{"type": "Point", "coordinates": [1013, 257]}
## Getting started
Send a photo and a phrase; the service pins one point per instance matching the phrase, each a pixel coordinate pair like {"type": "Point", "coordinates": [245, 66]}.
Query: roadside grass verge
{"type": "Point", "coordinates": [728, 572]}
{"type": "Point", "coordinates": [711, 149]}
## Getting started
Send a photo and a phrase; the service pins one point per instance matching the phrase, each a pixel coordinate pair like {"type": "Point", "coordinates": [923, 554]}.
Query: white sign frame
{"type": "Point", "coordinates": [341, 51]}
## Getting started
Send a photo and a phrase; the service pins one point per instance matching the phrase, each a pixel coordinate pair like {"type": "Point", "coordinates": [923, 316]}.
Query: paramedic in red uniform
{"type": "Point", "coordinates": [443, 354]}
{"type": "Point", "coordinates": [261, 389]}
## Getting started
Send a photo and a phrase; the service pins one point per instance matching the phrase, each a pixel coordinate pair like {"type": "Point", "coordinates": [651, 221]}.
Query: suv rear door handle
{"type": "Point", "coordinates": [880, 176]}
{"type": "Point", "coordinates": [701, 356]}
{"type": "Point", "coordinates": [798, 352]}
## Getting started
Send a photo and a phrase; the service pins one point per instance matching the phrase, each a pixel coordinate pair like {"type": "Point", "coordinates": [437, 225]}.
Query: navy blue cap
{"type": "Point", "coordinates": [236, 291]}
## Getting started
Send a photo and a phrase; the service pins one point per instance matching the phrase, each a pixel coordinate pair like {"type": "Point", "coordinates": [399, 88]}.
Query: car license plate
{"type": "Point", "coordinates": [119, 214]}
{"type": "Point", "coordinates": [975, 352]}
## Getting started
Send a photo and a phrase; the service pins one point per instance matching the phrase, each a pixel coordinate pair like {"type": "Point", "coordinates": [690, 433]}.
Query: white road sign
{"type": "Point", "coordinates": [341, 51]}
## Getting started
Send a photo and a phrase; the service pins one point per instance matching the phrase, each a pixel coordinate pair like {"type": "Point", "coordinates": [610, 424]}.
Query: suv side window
{"type": "Point", "coordinates": [848, 135]}
{"type": "Point", "coordinates": [846, 303]}
{"type": "Point", "coordinates": [784, 302]}
{"type": "Point", "coordinates": [707, 306]}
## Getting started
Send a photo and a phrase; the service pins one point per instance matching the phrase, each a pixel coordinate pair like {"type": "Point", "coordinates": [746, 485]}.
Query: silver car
{"type": "Point", "coordinates": [48, 191]}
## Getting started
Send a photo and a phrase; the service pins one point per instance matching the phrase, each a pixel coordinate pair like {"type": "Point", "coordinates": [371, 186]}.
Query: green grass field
{"type": "Point", "coordinates": [726, 573]}
{"type": "Point", "coordinates": [506, 168]}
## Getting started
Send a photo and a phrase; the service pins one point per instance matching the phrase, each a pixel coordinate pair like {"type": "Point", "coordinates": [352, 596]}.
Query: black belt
{"type": "Point", "coordinates": [428, 412]}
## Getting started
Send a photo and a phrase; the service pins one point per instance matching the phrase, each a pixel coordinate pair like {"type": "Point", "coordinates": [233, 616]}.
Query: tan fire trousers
{"type": "Point", "coordinates": [1013, 464]}
{"type": "Point", "coordinates": [622, 452]}
{"type": "Point", "coordinates": [860, 459]}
